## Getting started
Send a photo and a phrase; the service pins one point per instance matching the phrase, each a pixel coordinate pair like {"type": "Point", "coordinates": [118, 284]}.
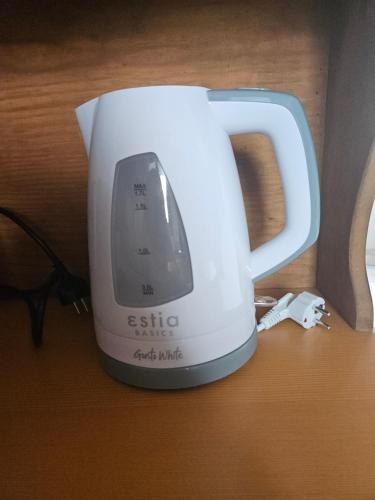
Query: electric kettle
{"type": "Point", "coordinates": [170, 262]}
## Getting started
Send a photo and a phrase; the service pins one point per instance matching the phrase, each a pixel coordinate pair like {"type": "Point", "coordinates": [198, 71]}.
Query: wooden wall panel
{"type": "Point", "coordinates": [349, 164]}
{"type": "Point", "coordinates": [56, 55]}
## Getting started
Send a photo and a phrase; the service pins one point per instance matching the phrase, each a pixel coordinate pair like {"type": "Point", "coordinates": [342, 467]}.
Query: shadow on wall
{"type": "Point", "coordinates": [53, 21]}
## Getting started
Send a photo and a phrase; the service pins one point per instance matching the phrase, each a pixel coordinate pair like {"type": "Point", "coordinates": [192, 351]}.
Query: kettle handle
{"type": "Point", "coordinates": [280, 116]}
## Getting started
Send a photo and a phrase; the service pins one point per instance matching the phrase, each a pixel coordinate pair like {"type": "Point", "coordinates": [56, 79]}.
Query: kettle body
{"type": "Point", "coordinates": [170, 263]}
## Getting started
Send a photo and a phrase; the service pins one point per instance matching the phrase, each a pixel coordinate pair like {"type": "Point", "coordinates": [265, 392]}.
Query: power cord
{"type": "Point", "coordinates": [70, 289]}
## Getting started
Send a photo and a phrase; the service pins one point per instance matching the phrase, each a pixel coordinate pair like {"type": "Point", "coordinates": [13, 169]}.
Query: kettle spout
{"type": "Point", "coordinates": [85, 115]}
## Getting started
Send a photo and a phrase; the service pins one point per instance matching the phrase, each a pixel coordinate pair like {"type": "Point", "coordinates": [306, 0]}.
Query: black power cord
{"type": "Point", "coordinates": [70, 289]}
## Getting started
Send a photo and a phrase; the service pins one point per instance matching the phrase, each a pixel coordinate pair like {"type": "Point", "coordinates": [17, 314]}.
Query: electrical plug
{"type": "Point", "coordinates": [306, 309]}
{"type": "Point", "coordinates": [72, 289]}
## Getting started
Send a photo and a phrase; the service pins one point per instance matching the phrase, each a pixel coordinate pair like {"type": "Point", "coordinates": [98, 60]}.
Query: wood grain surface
{"type": "Point", "coordinates": [297, 422]}
{"type": "Point", "coordinates": [57, 55]}
{"type": "Point", "coordinates": [348, 180]}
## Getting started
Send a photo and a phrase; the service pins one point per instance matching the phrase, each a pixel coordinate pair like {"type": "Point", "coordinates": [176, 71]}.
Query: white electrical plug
{"type": "Point", "coordinates": [306, 309]}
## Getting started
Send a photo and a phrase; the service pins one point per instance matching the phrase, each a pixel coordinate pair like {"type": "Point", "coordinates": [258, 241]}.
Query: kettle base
{"type": "Point", "coordinates": [181, 377]}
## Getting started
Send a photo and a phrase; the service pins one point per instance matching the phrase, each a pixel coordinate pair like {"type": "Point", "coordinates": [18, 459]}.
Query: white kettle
{"type": "Point", "coordinates": [170, 262]}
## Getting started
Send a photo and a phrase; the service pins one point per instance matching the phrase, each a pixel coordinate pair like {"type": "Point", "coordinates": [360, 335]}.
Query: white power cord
{"type": "Point", "coordinates": [306, 309]}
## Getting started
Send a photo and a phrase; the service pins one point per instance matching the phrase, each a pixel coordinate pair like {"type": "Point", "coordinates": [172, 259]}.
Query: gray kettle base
{"type": "Point", "coordinates": [180, 378]}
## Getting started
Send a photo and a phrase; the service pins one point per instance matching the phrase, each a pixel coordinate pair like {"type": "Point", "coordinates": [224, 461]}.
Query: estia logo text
{"type": "Point", "coordinates": [153, 321]}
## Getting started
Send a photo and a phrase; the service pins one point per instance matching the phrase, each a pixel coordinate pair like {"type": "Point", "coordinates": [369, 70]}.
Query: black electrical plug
{"type": "Point", "coordinates": [72, 289]}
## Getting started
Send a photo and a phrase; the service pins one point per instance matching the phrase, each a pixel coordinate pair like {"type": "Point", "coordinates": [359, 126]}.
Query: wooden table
{"type": "Point", "coordinates": [298, 421]}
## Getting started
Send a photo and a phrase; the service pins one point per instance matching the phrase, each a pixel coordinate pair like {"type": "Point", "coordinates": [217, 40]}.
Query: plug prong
{"type": "Point", "coordinates": [76, 307]}
{"type": "Point", "coordinates": [322, 311]}
{"type": "Point", "coordinates": [84, 305]}
{"type": "Point", "coordinates": [323, 324]}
